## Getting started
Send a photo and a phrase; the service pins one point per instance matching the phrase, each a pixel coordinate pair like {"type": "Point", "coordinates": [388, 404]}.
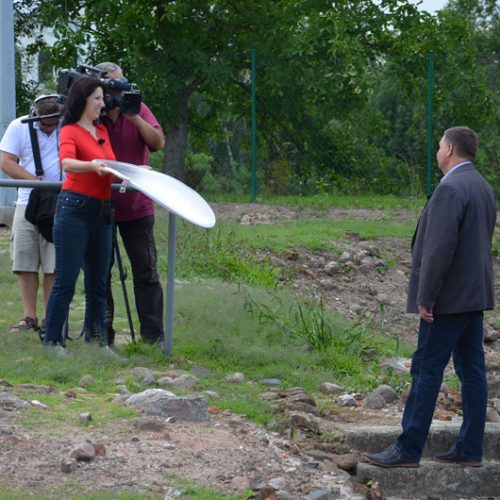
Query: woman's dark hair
{"type": "Point", "coordinates": [77, 98]}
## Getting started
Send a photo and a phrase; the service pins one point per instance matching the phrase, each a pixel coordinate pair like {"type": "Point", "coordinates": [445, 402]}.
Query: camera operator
{"type": "Point", "coordinates": [30, 251]}
{"type": "Point", "coordinates": [132, 137]}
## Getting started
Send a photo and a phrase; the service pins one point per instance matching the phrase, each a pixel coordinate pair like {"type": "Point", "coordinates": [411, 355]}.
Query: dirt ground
{"type": "Point", "coordinates": [357, 293]}
{"type": "Point", "coordinates": [229, 453]}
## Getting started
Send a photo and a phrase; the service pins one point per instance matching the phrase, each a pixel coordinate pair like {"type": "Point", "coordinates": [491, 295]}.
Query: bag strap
{"type": "Point", "coordinates": [36, 150]}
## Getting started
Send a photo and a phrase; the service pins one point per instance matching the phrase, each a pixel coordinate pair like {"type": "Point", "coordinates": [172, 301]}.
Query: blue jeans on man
{"type": "Point", "coordinates": [462, 335]}
{"type": "Point", "coordinates": [82, 238]}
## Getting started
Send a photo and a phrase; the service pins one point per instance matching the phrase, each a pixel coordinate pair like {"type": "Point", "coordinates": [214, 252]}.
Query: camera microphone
{"type": "Point", "coordinates": [101, 141]}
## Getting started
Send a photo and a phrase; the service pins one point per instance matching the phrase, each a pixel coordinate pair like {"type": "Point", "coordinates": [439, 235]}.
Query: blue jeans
{"type": "Point", "coordinates": [462, 335]}
{"type": "Point", "coordinates": [82, 238]}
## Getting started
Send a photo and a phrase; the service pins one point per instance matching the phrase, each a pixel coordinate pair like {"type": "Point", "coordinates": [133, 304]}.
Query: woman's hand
{"type": "Point", "coordinates": [99, 168]}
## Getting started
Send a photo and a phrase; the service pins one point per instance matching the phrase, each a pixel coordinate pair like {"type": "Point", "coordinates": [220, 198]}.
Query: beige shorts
{"type": "Point", "coordinates": [29, 250]}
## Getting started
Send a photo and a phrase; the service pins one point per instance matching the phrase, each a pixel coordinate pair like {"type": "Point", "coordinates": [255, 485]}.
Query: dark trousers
{"type": "Point", "coordinates": [139, 242]}
{"type": "Point", "coordinates": [82, 238]}
{"type": "Point", "coordinates": [462, 335]}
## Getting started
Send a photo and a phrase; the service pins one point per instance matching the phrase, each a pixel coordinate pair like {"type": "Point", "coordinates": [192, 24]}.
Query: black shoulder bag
{"type": "Point", "coordinates": [42, 202]}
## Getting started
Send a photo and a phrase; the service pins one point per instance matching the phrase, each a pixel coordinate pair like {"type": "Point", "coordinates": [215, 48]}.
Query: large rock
{"type": "Point", "coordinates": [149, 424]}
{"type": "Point", "coordinates": [382, 395]}
{"type": "Point", "coordinates": [182, 382]}
{"type": "Point", "coordinates": [44, 389]}
{"type": "Point", "coordinates": [167, 404]}
{"type": "Point", "coordinates": [375, 402]}
{"type": "Point", "coordinates": [490, 334]}
{"type": "Point", "coordinates": [143, 375]}
{"type": "Point", "coordinates": [492, 415]}
{"type": "Point", "coordinates": [11, 402]}
{"type": "Point", "coordinates": [400, 365]}
{"type": "Point", "coordinates": [346, 400]}
{"type": "Point", "coordinates": [236, 378]}
{"type": "Point", "coordinates": [87, 451]}
{"type": "Point", "coordinates": [298, 419]}
{"type": "Point", "coordinates": [329, 388]}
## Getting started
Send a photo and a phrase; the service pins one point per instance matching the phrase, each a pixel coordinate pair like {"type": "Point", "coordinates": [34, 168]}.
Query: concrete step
{"type": "Point", "coordinates": [494, 388]}
{"type": "Point", "coordinates": [434, 480]}
{"type": "Point", "coordinates": [442, 437]}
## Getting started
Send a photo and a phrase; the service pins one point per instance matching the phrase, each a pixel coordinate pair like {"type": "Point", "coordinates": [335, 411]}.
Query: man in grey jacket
{"type": "Point", "coordinates": [451, 284]}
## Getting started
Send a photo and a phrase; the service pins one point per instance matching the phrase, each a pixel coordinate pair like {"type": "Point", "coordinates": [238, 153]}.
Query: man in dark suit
{"type": "Point", "coordinates": [451, 284]}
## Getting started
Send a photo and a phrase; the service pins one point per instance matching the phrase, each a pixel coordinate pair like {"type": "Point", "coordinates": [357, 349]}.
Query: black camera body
{"type": "Point", "coordinates": [128, 101]}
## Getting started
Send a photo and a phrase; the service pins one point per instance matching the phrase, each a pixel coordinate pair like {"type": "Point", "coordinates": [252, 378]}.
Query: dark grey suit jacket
{"type": "Point", "coordinates": [452, 269]}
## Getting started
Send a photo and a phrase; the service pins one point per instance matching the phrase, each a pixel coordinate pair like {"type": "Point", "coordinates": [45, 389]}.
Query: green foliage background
{"type": "Point", "coordinates": [341, 85]}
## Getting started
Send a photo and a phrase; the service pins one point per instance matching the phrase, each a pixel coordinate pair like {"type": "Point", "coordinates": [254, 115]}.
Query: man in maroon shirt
{"type": "Point", "coordinates": [132, 137]}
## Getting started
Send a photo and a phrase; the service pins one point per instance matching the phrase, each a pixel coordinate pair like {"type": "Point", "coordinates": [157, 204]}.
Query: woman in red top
{"type": "Point", "coordinates": [82, 224]}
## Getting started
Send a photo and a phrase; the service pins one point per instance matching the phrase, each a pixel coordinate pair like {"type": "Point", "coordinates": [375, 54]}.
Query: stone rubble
{"type": "Point", "coordinates": [292, 462]}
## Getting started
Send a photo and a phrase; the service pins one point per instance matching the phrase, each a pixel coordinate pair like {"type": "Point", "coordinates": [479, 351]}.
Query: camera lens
{"type": "Point", "coordinates": [111, 101]}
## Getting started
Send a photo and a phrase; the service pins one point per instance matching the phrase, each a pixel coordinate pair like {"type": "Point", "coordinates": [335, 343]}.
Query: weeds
{"type": "Point", "coordinates": [217, 254]}
{"type": "Point", "coordinates": [313, 325]}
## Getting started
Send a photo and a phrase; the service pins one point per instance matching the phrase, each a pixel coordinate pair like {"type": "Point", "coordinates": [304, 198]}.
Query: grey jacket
{"type": "Point", "coordinates": [452, 269]}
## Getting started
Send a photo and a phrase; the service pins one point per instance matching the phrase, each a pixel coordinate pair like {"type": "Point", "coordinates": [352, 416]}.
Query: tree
{"type": "Point", "coordinates": [171, 49]}
{"type": "Point", "coordinates": [317, 63]}
{"type": "Point", "coordinates": [465, 93]}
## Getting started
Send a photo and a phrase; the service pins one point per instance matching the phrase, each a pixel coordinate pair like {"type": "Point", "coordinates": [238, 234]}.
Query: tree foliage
{"type": "Point", "coordinates": [341, 84]}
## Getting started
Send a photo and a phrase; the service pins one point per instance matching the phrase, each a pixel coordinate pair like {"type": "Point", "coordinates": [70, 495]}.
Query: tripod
{"type": "Point", "coordinates": [123, 276]}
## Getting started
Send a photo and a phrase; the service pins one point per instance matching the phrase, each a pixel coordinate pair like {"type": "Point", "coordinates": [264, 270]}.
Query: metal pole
{"type": "Point", "coordinates": [7, 66]}
{"type": "Point", "coordinates": [7, 90]}
{"type": "Point", "coordinates": [429, 123]}
{"type": "Point", "coordinates": [169, 310]}
{"type": "Point", "coordinates": [254, 127]}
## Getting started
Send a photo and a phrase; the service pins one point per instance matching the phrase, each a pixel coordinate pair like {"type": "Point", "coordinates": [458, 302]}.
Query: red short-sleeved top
{"type": "Point", "coordinates": [78, 143]}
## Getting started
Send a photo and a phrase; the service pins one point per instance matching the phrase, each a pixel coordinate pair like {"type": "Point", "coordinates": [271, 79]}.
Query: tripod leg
{"type": "Point", "coordinates": [123, 277]}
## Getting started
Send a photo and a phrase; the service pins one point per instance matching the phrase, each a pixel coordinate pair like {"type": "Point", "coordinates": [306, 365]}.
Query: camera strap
{"type": "Point", "coordinates": [36, 151]}
{"type": "Point", "coordinates": [35, 147]}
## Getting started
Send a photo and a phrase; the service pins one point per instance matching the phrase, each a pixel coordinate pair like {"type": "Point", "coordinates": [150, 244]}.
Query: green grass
{"type": "Point", "coordinates": [188, 492]}
{"type": "Point", "coordinates": [215, 328]}
{"type": "Point", "coordinates": [6, 493]}
{"type": "Point", "coordinates": [315, 234]}
{"type": "Point", "coordinates": [294, 340]}
{"type": "Point", "coordinates": [231, 315]}
{"type": "Point", "coordinates": [229, 250]}
{"type": "Point", "coordinates": [63, 411]}
{"type": "Point", "coordinates": [333, 200]}
{"type": "Point", "coordinates": [219, 253]}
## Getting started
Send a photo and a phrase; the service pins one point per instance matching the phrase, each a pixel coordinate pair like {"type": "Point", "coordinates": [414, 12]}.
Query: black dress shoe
{"type": "Point", "coordinates": [391, 458]}
{"type": "Point", "coordinates": [453, 457]}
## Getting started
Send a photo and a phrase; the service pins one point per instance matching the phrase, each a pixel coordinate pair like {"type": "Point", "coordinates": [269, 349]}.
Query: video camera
{"type": "Point", "coordinates": [128, 101]}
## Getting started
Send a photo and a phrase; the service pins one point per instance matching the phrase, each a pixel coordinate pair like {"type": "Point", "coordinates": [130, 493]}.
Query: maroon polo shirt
{"type": "Point", "coordinates": [129, 146]}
